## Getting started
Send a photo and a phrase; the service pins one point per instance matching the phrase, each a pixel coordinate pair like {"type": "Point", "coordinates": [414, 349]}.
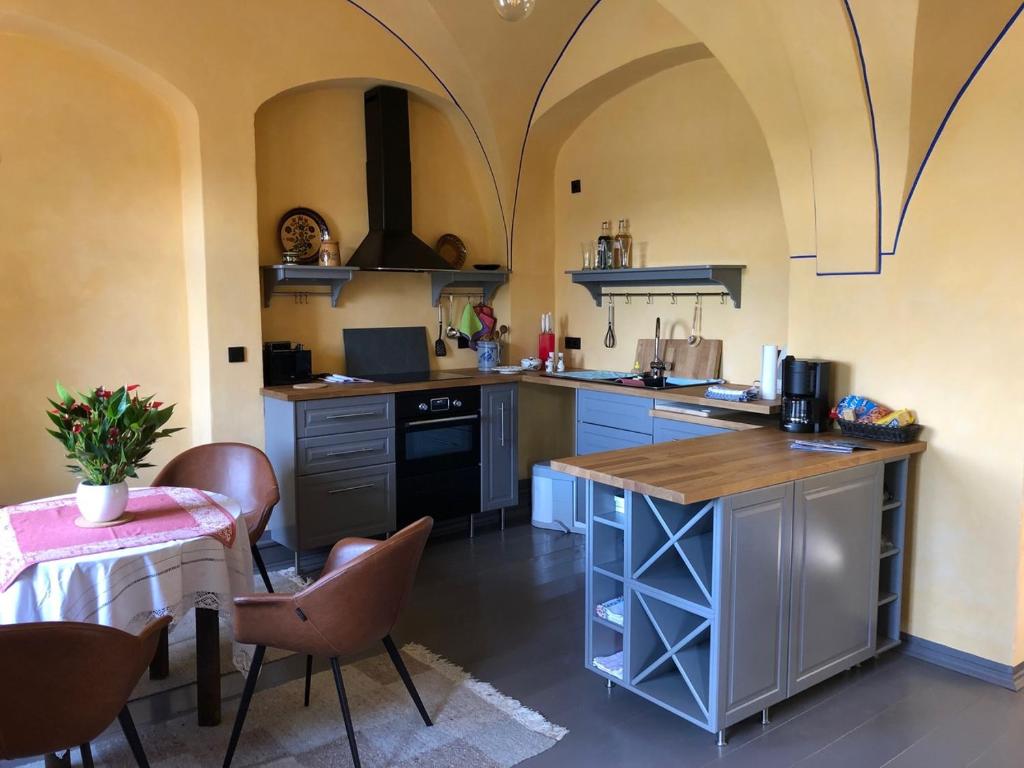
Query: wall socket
{"type": "Point", "coordinates": [573, 342]}
{"type": "Point", "coordinates": [236, 354]}
{"type": "Point", "coordinates": [575, 187]}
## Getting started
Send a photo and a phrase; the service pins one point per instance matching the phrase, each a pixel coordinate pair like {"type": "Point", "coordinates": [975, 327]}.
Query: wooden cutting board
{"type": "Point", "coordinates": [703, 361]}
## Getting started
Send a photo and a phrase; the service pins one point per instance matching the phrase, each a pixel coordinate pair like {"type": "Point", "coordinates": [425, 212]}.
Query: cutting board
{"type": "Point", "coordinates": [703, 361]}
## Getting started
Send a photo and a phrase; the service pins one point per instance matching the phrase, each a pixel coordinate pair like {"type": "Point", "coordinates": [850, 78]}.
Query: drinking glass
{"type": "Point", "coordinates": [588, 250]}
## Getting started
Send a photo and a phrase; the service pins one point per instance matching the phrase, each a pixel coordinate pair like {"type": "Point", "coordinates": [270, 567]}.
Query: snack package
{"type": "Point", "coordinates": [900, 418]}
{"type": "Point", "coordinates": [856, 408]}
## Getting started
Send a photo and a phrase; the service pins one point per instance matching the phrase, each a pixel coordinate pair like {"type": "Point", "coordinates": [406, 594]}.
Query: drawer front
{"type": "Point", "coordinates": [350, 502]}
{"type": "Point", "coordinates": [667, 430]}
{"type": "Point", "coordinates": [333, 452]}
{"type": "Point", "coordinates": [593, 438]}
{"type": "Point", "coordinates": [339, 415]}
{"type": "Point", "coordinates": [618, 411]}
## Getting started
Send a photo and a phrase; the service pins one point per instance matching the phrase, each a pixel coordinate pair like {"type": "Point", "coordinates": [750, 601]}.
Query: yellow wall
{"type": "Point", "coordinates": [681, 156]}
{"type": "Point", "coordinates": [310, 151]}
{"type": "Point", "coordinates": [940, 331]}
{"type": "Point", "coordinates": [93, 291]}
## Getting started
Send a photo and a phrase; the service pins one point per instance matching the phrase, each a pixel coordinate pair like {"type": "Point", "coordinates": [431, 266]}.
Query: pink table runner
{"type": "Point", "coordinates": [44, 530]}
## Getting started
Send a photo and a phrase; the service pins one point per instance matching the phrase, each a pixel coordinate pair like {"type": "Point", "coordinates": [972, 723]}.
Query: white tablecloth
{"type": "Point", "coordinates": [126, 588]}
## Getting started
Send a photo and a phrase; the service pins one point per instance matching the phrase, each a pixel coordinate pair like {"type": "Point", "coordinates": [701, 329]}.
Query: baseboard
{"type": "Point", "coordinates": [965, 663]}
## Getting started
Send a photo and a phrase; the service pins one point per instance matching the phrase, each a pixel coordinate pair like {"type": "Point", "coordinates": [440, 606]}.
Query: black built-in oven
{"type": "Point", "coordinates": [438, 453]}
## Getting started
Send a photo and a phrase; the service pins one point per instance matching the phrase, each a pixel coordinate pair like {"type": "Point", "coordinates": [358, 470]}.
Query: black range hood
{"type": "Point", "coordinates": [390, 243]}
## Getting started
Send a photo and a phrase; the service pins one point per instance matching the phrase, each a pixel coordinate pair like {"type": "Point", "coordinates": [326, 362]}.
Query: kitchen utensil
{"type": "Point", "coordinates": [609, 337]}
{"type": "Point", "coordinates": [450, 248]}
{"type": "Point", "coordinates": [440, 350]}
{"type": "Point", "coordinates": [303, 230]}
{"type": "Point", "coordinates": [682, 360]}
{"type": "Point", "coordinates": [452, 332]}
{"type": "Point", "coordinates": [698, 311]}
{"type": "Point", "coordinates": [502, 332]}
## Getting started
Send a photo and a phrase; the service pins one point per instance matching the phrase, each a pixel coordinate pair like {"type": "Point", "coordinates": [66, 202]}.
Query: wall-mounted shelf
{"type": "Point", "coordinates": [278, 275]}
{"type": "Point", "coordinates": [728, 276]}
{"type": "Point", "coordinates": [486, 281]}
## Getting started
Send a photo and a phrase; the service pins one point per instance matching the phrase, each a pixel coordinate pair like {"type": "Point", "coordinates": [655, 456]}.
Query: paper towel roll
{"type": "Point", "coordinates": [769, 361]}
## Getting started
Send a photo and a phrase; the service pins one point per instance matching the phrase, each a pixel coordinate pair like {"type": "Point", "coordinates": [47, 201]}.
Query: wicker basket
{"type": "Point", "coordinates": [877, 432]}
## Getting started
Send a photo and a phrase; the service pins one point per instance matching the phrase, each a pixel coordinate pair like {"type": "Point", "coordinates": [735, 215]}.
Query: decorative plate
{"type": "Point", "coordinates": [302, 230]}
{"type": "Point", "coordinates": [452, 250]}
{"type": "Point", "coordinates": [487, 267]}
{"type": "Point", "coordinates": [509, 369]}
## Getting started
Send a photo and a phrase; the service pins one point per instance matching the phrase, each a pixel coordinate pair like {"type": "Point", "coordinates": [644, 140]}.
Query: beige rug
{"type": "Point", "coordinates": [182, 643]}
{"type": "Point", "coordinates": [475, 726]}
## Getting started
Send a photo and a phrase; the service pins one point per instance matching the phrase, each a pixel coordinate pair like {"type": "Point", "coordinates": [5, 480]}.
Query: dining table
{"type": "Point", "coordinates": [185, 550]}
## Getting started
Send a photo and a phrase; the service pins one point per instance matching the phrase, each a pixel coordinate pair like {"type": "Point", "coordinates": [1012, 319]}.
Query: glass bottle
{"type": "Point", "coordinates": [604, 246]}
{"type": "Point", "coordinates": [624, 245]}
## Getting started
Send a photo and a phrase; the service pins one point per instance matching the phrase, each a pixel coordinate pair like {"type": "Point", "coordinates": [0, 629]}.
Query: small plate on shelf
{"type": "Point", "coordinates": [506, 369]}
{"type": "Point", "coordinates": [487, 267]}
{"type": "Point", "coordinates": [302, 230]}
{"type": "Point", "coordinates": [450, 248]}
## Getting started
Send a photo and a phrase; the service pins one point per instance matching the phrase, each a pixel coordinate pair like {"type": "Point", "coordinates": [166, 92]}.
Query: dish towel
{"type": "Point", "coordinates": [469, 323]}
{"type": "Point", "coordinates": [722, 392]}
{"type": "Point", "coordinates": [612, 610]}
{"type": "Point", "coordinates": [611, 665]}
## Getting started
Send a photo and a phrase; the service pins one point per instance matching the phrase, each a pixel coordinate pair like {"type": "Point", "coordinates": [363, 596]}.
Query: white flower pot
{"type": "Point", "coordinates": [102, 503]}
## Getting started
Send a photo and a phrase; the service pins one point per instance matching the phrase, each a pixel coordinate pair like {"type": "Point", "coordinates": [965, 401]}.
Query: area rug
{"type": "Point", "coordinates": [182, 643]}
{"type": "Point", "coordinates": [475, 726]}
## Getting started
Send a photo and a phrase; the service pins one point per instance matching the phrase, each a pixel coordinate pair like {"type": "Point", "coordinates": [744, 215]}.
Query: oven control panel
{"type": "Point", "coordinates": [452, 402]}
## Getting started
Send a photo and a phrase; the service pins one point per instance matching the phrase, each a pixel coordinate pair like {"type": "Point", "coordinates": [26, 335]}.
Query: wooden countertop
{"type": "Point", "coordinates": [705, 468]}
{"type": "Point", "coordinates": [691, 395]}
{"type": "Point", "coordinates": [474, 378]}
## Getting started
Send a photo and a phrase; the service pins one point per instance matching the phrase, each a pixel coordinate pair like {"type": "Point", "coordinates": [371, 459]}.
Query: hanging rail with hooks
{"type": "Point", "coordinates": [726, 276]}
{"type": "Point", "coordinates": [673, 295]}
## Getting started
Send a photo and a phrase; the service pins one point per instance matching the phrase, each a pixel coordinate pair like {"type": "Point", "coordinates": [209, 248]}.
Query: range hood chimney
{"type": "Point", "coordinates": [390, 243]}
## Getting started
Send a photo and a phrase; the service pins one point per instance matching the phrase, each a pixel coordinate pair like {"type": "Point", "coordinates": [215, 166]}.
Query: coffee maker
{"type": "Point", "coordinates": [805, 395]}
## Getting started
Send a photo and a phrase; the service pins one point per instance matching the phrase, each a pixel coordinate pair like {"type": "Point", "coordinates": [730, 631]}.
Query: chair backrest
{"type": "Point", "coordinates": [240, 471]}
{"type": "Point", "coordinates": [64, 682]}
{"type": "Point", "coordinates": [357, 604]}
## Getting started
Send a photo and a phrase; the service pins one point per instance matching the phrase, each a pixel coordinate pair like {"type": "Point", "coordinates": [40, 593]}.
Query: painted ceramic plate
{"type": "Point", "coordinates": [302, 229]}
{"type": "Point", "coordinates": [452, 250]}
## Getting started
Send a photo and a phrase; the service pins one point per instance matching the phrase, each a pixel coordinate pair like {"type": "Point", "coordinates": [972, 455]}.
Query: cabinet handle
{"type": "Point", "coordinates": [349, 415]}
{"type": "Point", "coordinates": [446, 420]}
{"type": "Point", "coordinates": [348, 452]}
{"type": "Point", "coordinates": [350, 488]}
{"type": "Point", "coordinates": [501, 408]}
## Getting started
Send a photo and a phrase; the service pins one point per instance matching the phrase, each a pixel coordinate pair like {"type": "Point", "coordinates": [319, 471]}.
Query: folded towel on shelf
{"type": "Point", "coordinates": [613, 610]}
{"type": "Point", "coordinates": [611, 665]}
{"type": "Point", "coordinates": [725, 392]}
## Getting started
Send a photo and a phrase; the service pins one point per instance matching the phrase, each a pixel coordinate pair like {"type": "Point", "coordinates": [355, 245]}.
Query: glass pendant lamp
{"type": "Point", "coordinates": [514, 10]}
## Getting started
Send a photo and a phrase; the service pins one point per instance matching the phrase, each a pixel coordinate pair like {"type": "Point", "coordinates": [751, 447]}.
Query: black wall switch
{"type": "Point", "coordinates": [575, 187]}
{"type": "Point", "coordinates": [236, 354]}
{"type": "Point", "coordinates": [573, 342]}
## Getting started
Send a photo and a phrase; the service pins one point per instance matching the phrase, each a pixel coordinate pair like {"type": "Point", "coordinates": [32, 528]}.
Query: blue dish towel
{"type": "Point", "coordinates": [717, 392]}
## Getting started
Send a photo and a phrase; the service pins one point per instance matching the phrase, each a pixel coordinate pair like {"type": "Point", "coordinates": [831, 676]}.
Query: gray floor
{"type": "Point", "coordinates": [507, 606]}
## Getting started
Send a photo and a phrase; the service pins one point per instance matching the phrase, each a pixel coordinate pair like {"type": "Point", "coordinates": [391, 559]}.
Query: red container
{"type": "Point", "coordinates": [545, 346]}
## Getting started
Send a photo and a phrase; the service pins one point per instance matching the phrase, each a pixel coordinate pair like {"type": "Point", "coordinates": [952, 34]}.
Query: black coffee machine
{"type": "Point", "coordinates": [805, 395]}
{"type": "Point", "coordinates": [284, 363]}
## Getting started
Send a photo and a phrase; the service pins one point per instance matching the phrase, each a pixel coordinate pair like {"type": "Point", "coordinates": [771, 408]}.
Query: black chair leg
{"type": "Point", "coordinates": [396, 659]}
{"type": "Point", "coordinates": [343, 699]}
{"type": "Point", "coordinates": [309, 679]}
{"type": "Point", "coordinates": [243, 705]}
{"type": "Point", "coordinates": [258, 559]}
{"type": "Point", "coordinates": [132, 737]}
{"type": "Point", "coordinates": [86, 752]}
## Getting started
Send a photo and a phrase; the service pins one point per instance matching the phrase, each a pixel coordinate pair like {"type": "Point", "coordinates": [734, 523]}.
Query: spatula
{"type": "Point", "coordinates": [440, 350]}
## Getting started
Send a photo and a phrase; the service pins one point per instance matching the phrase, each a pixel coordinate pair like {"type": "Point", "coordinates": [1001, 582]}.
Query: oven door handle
{"type": "Point", "coordinates": [447, 420]}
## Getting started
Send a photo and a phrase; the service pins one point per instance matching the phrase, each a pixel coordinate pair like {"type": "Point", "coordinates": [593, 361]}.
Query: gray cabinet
{"type": "Point", "coordinates": [667, 430]}
{"type": "Point", "coordinates": [836, 532]}
{"type": "Point", "coordinates": [756, 536]}
{"type": "Point", "coordinates": [335, 465]}
{"type": "Point", "coordinates": [499, 460]}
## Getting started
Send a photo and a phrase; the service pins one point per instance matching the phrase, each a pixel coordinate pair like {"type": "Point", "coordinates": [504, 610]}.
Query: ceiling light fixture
{"type": "Point", "coordinates": [514, 10]}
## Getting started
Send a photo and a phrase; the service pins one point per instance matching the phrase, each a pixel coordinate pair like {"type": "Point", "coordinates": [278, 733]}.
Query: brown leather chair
{"type": "Point", "coordinates": [355, 603]}
{"type": "Point", "coordinates": [64, 682]}
{"type": "Point", "coordinates": [233, 469]}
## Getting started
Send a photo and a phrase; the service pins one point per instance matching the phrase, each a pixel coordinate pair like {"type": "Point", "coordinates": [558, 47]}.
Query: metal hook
{"type": "Point", "coordinates": [649, 299]}
{"type": "Point", "coordinates": [629, 298]}
{"type": "Point", "coordinates": [721, 297]}
{"type": "Point", "coordinates": [673, 298]}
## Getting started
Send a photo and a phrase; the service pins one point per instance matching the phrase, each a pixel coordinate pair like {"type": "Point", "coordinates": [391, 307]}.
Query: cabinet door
{"type": "Point", "coordinates": [591, 438]}
{"type": "Point", "coordinates": [350, 502]}
{"type": "Point", "coordinates": [667, 430]}
{"type": "Point", "coordinates": [757, 537]}
{"type": "Point", "coordinates": [499, 461]}
{"type": "Point", "coordinates": [836, 530]}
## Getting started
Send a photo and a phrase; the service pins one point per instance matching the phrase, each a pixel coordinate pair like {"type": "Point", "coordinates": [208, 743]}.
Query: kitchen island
{"type": "Point", "coordinates": [728, 573]}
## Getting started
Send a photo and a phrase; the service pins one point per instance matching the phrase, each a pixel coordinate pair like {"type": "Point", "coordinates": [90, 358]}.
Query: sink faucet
{"type": "Point", "coordinates": [657, 365]}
